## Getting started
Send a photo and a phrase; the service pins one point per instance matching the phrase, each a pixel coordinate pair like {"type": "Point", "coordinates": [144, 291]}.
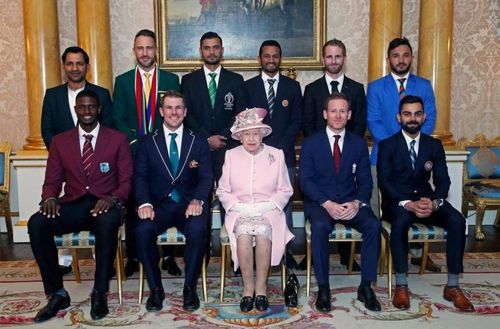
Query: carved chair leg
{"type": "Point", "coordinates": [480, 209]}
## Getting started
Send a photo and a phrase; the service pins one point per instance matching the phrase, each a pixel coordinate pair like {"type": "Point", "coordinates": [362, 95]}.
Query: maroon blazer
{"type": "Point", "coordinates": [110, 172]}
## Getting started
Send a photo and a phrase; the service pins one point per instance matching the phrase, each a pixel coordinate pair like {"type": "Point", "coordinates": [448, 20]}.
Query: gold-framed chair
{"type": "Point", "coordinates": [481, 178]}
{"type": "Point", "coordinates": [86, 240]}
{"type": "Point", "coordinates": [5, 150]}
{"type": "Point", "coordinates": [225, 250]}
{"type": "Point", "coordinates": [172, 236]}
{"type": "Point", "coordinates": [340, 233]}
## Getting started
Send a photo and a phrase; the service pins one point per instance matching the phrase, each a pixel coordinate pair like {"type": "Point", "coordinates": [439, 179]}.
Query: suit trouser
{"type": "Point", "coordinates": [74, 217]}
{"type": "Point", "coordinates": [169, 214]}
{"type": "Point", "coordinates": [447, 217]}
{"type": "Point", "coordinates": [321, 227]}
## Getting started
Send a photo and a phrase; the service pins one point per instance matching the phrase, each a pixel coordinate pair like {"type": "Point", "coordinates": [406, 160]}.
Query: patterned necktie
{"type": "Point", "coordinates": [334, 85]}
{"type": "Point", "coordinates": [413, 154]}
{"type": "Point", "coordinates": [147, 87]}
{"type": "Point", "coordinates": [174, 161]}
{"type": "Point", "coordinates": [212, 88]}
{"type": "Point", "coordinates": [336, 154]}
{"type": "Point", "coordinates": [270, 96]}
{"type": "Point", "coordinates": [402, 91]}
{"type": "Point", "coordinates": [87, 153]}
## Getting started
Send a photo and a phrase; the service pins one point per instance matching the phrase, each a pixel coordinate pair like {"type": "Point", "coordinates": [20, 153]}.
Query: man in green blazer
{"type": "Point", "coordinates": [137, 99]}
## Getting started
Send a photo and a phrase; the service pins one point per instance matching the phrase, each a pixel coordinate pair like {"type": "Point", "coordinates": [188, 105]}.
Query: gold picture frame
{"type": "Point", "coordinates": [298, 25]}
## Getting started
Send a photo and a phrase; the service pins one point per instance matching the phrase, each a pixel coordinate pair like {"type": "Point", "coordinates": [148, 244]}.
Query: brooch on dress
{"type": "Point", "coordinates": [271, 158]}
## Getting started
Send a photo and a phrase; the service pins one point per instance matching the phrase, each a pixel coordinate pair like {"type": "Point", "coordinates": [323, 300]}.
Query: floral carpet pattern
{"type": "Point", "coordinates": [21, 296]}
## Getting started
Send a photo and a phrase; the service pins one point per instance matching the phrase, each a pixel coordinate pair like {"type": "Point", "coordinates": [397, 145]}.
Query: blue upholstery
{"type": "Point", "coordinates": [171, 236]}
{"type": "Point", "coordinates": [83, 239]}
{"type": "Point", "coordinates": [483, 190]}
{"type": "Point", "coordinates": [420, 231]}
{"type": "Point", "coordinates": [483, 162]}
{"type": "Point", "coordinates": [339, 232]}
{"type": "Point", "coordinates": [2, 168]}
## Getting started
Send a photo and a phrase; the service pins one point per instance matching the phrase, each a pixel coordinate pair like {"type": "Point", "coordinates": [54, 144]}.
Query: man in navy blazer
{"type": "Point", "coordinates": [406, 162]}
{"type": "Point", "coordinates": [285, 115]}
{"type": "Point", "coordinates": [58, 114]}
{"type": "Point", "coordinates": [336, 180]}
{"type": "Point", "coordinates": [213, 120]}
{"type": "Point", "coordinates": [95, 187]}
{"type": "Point", "coordinates": [167, 196]}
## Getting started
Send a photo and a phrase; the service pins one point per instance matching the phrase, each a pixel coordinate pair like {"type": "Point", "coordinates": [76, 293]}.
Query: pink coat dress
{"type": "Point", "coordinates": [251, 179]}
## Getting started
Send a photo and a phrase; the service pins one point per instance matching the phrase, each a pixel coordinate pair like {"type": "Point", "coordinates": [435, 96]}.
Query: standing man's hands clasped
{"type": "Point", "coordinates": [217, 142]}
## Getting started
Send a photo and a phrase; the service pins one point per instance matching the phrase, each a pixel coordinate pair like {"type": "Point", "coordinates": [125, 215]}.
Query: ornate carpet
{"type": "Point", "coordinates": [21, 296]}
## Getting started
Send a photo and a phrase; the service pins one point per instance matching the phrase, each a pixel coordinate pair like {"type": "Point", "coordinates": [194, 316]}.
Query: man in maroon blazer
{"type": "Point", "coordinates": [95, 164]}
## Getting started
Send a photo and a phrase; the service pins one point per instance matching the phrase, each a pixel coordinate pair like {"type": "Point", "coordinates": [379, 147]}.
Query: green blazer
{"type": "Point", "coordinates": [124, 106]}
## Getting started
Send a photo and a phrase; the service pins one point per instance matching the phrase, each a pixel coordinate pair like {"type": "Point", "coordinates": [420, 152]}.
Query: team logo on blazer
{"type": "Point", "coordinates": [104, 167]}
{"type": "Point", "coordinates": [193, 164]}
{"type": "Point", "coordinates": [228, 101]}
{"type": "Point", "coordinates": [428, 165]}
{"type": "Point", "coordinates": [284, 103]}
{"type": "Point", "coordinates": [353, 168]}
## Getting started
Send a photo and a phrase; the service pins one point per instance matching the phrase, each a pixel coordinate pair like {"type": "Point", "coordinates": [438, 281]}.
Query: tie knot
{"type": "Point", "coordinates": [337, 137]}
{"type": "Point", "coordinates": [334, 85]}
{"type": "Point", "coordinates": [173, 135]}
{"type": "Point", "coordinates": [212, 75]}
{"type": "Point", "coordinates": [147, 75]}
{"type": "Point", "coordinates": [402, 81]}
{"type": "Point", "coordinates": [271, 81]}
{"type": "Point", "coordinates": [88, 137]}
{"type": "Point", "coordinates": [412, 143]}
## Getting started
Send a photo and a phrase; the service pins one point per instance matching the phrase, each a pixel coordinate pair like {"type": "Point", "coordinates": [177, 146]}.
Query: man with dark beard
{"type": "Point", "coordinates": [282, 98]}
{"type": "Point", "coordinates": [406, 162]}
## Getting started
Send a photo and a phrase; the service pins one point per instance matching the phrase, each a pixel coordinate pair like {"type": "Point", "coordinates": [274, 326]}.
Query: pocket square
{"type": "Point", "coordinates": [193, 164]}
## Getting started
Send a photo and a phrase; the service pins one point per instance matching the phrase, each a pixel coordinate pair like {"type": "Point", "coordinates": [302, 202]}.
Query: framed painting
{"type": "Point", "coordinates": [298, 25]}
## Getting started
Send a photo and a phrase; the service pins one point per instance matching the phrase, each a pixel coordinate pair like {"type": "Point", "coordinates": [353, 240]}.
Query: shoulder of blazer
{"type": "Point", "coordinates": [353, 83]}
{"type": "Point", "coordinates": [230, 74]}
{"type": "Point", "coordinates": [288, 81]}
{"type": "Point", "coordinates": [57, 89]}
{"type": "Point", "coordinates": [94, 87]}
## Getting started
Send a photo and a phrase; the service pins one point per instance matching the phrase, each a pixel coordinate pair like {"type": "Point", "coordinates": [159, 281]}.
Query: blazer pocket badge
{"type": "Point", "coordinates": [229, 102]}
{"type": "Point", "coordinates": [428, 165]}
{"type": "Point", "coordinates": [353, 168]}
{"type": "Point", "coordinates": [193, 164]}
{"type": "Point", "coordinates": [284, 103]}
{"type": "Point", "coordinates": [104, 167]}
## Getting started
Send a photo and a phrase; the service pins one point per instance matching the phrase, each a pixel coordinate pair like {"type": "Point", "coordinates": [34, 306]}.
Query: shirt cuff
{"type": "Point", "coordinates": [403, 203]}
{"type": "Point", "coordinates": [145, 205]}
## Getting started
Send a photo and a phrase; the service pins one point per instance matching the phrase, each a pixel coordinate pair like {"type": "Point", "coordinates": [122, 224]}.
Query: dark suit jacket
{"type": "Point", "coordinates": [286, 118]}
{"type": "Point", "coordinates": [153, 178]}
{"type": "Point", "coordinates": [318, 180]}
{"type": "Point", "coordinates": [315, 95]}
{"type": "Point", "coordinates": [125, 115]}
{"type": "Point", "coordinates": [229, 99]}
{"type": "Point", "coordinates": [396, 179]}
{"type": "Point", "coordinates": [56, 114]}
{"type": "Point", "coordinates": [111, 169]}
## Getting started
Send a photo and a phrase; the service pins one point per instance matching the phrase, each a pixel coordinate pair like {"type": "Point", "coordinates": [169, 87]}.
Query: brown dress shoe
{"type": "Point", "coordinates": [458, 298]}
{"type": "Point", "coordinates": [401, 298]}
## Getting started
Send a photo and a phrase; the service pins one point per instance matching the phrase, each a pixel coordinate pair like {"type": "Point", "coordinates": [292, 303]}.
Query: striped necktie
{"type": "Point", "coordinates": [87, 153]}
{"type": "Point", "coordinates": [413, 154]}
{"type": "Point", "coordinates": [270, 96]}
{"type": "Point", "coordinates": [402, 91]}
{"type": "Point", "coordinates": [212, 88]}
{"type": "Point", "coordinates": [174, 161]}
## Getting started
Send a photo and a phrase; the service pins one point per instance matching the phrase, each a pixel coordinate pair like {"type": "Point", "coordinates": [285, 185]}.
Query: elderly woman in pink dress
{"type": "Point", "coordinates": [254, 189]}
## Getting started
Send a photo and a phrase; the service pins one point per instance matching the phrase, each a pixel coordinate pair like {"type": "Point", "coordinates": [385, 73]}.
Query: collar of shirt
{"type": "Point", "coordinates": [408, 140]}
{"type": "Point", "coordinates": [94, 133]}
{"type": "Point", "coordinates": [178, 139]}
{"type": "Point", "coordinates": [329, 79]}
{"type": "Point", "coordinates": [152, 72]}
{"type": "Point", "coordinates": [397, 77]}
{"type": "Point", "coordinates": [265, 77]}
{"type": "Point", "coordinates": [331, 139]}
{"type": "Point", "coordinates": [207, 77]}
{"type": "Point", "coordinates": [72, 102]}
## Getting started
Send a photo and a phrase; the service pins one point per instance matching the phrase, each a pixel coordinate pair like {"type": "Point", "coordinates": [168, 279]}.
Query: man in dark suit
{"type": "Point", "coordinates": [334, 80]}
{"type": "Point", "coordinates": [213, 96]}
{"type": "Point", "coordinates": [95, 164]}
{"type": "Point", "coordinates": [336, 180]}
{"type": "Point", "coordinates": [172, 182]}
{"type": "Point", "coordinates": [282, 98]}
{"type": "Point", "coordinates": [405, 164]}
{"type": "Point", "coordinates": [58, 113]}
{"type": "Point", "coordinates": [136, 104]}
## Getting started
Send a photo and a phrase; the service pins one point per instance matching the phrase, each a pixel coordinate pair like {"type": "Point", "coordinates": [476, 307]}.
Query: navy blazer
{"type": "Point", "coordinates": [318, 180]}
{"type": "Point", "coordinates": [286, 119]}
{"type": "Point", "coordinates": [153, 177]}
{"type": "Point", "coordinates": [56, 114]}
{"type": "Point", "coordinates": [315, 95]}
{"type": "Point", "coordinates": [229, 99]}
{"type": "Point", "coordinates": [396, 178]}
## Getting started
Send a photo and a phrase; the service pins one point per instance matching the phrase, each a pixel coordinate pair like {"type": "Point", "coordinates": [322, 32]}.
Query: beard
{"type": "Point", "coordinates": [400, 71]}
{"type": "Point", "coordinates": [413, 129]}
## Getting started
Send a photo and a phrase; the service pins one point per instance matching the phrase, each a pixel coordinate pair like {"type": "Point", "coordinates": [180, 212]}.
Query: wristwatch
{"type": "Point", "coordinates": [200, 202]}
{"type": "Point", "coordinates": [437, 203]}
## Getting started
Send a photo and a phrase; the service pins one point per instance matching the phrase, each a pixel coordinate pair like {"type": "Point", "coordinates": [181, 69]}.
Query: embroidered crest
{"type": "Point", "coordinates": [428, 165]}
{"type": "Point", "coordinates": [193, 164]}
{"type": "Point", "coordinates": [228, 101]}
{"type": "Point", "coordinates": [284, 103]}
{"type": "Point", "coordinates": [104, 167]}
{"type": "Point", "coordinates": [353, 168]}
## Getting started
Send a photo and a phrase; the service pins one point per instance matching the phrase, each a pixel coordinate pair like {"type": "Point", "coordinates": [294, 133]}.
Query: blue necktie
{"type": "Point", "coordinates": [413, 154]}
{"type": "Point", "coordinates": [271, 96]}
{"type": "Point", "coordinates": [174, 161]}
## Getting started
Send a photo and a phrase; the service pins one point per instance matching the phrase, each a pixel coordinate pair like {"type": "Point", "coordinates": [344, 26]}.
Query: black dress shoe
{"type": "Point", "coordinates": [367, 296]}
{"type": "Point", "coordinates": [98, 305]}
{"type": "Point", "coordinates": [191, 300]}
{"type": "Point", "coordinates": [131, 267]}
{"type": "Point", "coordinates": [65, 269]}
{"type": "Point", "coordinates": [169, 265]}
{"type": "Point", "coordinates": [55, 304]}
{"type": "Point", "coordinates": [261, 303]}
{"type": "Point", "coordinates": [355, 265]}
{"type": "Point", "coordinates": [323, 303]}
{"type": "Point", "coordinates": [155, 300]}
{"type": "Point", "coordinates": [246, 304]}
